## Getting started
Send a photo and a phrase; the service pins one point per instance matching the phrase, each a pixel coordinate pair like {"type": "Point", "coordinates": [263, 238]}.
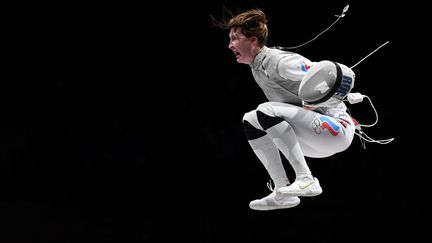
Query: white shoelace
{"type": "Point", "coordinates": [270, 186]}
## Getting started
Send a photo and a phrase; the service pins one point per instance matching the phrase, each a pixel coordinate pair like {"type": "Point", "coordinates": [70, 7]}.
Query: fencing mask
{"type": "Point", "coordinates": [324, 80]}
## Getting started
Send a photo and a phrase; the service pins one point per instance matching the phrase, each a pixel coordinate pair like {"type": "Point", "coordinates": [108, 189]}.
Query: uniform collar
{"type": "Point", "coordinates": [259, 58]}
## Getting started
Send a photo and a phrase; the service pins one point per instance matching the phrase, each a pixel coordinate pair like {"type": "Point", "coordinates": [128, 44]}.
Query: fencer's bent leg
{"type": "Point", "coordinates": [318, 135]}
{"type": "Point", "coordinates": [285, 139]}
{"type": "Point", "coordinates": [268, 154]}
{"type": "Point", "coordinates": [302, 132]}
{"type": "Point", "coordinates": [264, 149]}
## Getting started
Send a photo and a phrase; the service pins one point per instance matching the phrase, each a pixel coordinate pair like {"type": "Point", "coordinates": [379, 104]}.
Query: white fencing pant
{"type": "Point", "coordinates": [296, 132]}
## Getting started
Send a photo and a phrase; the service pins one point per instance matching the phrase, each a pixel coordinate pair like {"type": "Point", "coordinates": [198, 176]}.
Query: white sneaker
{"type": "Point", "coordinates": [275, 200]}
{"type": "Point", "coordinates": [305, 186]}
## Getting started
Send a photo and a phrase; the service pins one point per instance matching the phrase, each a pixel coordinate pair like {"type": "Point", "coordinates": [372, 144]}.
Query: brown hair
{"type": "Point", "coordinates": [250, 23]}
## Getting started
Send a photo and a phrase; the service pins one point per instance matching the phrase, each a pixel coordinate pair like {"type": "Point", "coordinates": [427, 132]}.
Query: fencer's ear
{"type": "Point", "coordinates": [255, 44]}
{"type": "Point", "coordinates": [254, 41]}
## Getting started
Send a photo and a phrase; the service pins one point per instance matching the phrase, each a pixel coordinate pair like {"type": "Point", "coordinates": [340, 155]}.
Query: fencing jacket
{"type": "Point", "coordinates": [279, 73]}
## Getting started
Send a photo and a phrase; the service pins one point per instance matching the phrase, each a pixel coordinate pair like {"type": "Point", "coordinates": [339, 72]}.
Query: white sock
{"type": "Point", "coordinates": [268, 154]}
{"type": "Point", "coordinates": [285, 139]}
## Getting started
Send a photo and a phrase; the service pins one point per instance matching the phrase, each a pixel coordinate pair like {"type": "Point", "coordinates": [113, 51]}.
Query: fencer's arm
{"type": "Point", "coordinates": [294, 67]}
{"type": "Point", "coordinates": [308, 107]}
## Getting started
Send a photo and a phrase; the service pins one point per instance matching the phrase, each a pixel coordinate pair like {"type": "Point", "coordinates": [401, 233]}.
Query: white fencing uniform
{"type": "Point", "coordinates": [282, 124]}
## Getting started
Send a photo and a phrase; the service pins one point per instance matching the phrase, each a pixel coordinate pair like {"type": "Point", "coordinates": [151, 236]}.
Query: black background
{"type": "Point", "coordinates": [122, 123]}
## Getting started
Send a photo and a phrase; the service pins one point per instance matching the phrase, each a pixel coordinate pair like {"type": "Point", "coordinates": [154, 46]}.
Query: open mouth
{"type": "Point", "coordinates": [237, 54]}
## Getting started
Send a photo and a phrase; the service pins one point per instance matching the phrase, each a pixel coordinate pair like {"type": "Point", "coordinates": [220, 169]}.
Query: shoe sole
{"type": "Point", "coordinates": [267, 208]}
{"type": "Point", "coordinates": [303, 194]}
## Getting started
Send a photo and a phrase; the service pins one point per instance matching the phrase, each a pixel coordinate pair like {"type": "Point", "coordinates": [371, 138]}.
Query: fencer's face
{"type": "Point", "coordinates": [242, 46]}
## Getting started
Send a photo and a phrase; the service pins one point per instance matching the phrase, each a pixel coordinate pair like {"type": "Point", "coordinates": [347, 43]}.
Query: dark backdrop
{"type": "Point", "coordinates": [122, 123]}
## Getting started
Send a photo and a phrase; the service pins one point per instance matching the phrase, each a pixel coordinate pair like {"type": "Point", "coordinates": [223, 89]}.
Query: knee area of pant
{"type": "Point", "coordinates": [252, 132]}
{"type": "Point", "coordinates": [266, 108]}
{"type": "Point", "coordinates": [250, 117]}
{"type": "Point", "coordinates": [267, 121]}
